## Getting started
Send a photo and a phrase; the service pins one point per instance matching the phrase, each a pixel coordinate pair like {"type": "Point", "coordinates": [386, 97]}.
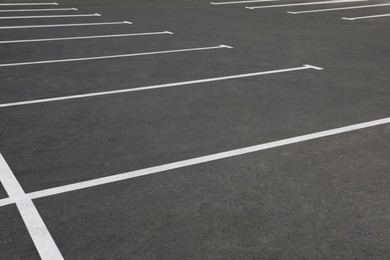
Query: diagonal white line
{"type": "Point", "coordinates": [113, 56]}
{"type": "Point", "coordinates": [37, 229]}
{"type": "Point", "coordinates": [202, 159]}
{"type": "Point", "coordinates": [5, 202]}
{"type": "Point", "coordinates": [307, 3]}
{"type": "Point", "coordinates": [48, 16]}
{"type": "Point", "coordinates": [61, 25]}
{"type": "Point", "coordinates": [365, 17]}
{"type": "Point", "coordinates": [26, 4]}
{"type": "Point", "coordinates": [176, 84]}
{"type": "Point", "coordinates": [336, 9]}
{"type": "Point", "coordinates": [87, 37]}
{"type": "Point", "coordinates": [38, 10]}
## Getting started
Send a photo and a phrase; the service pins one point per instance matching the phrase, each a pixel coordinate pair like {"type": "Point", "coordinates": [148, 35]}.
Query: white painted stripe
{"type": "Point", "coordinates": [47, 16]}
{"type": "Point", "coordinates": [5, 202]}
{"type": "Point", "coordinates": [26, 4]}
{"type": "Point", "coordinates": [113, 56]}
{"type": "Point", "coordinates": [308, 3]}
{"type": "Point", "coordinates": [202, 159]}
{"type": "Point", "coordinates": [184, 83]}
{"type": "Point", "coordinates": [38, 10]}
{"type": "Point", "coordinates": [37, 229]}
{"type": "Point", "coordinates": [336, 9]}
{"type": "Point", "coordinates": [61, 25]}
{"type": "Point", "coordinates": [241, 2]}
{"type": "Point", "coordinates": [87, 37]}
{"type": "Point", "coordinates": [365, 17]}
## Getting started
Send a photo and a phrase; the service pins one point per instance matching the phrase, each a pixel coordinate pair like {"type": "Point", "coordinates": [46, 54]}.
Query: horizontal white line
{"type": "Point", "coordinates": [62, 25]}
{"type": "Point", "coordinates": [199, 160]}
{"type": "Point", "coordinates": [87, 37]}
{"type": "Point", "coordinates": [336, 9]}
{"type": "Point", "coordinates": [241, 2]}
{"type": "Point", "coordinates": [26, 4]}
{"type": "Point", "coordinates": [184, 83]}
{"type": "Point", "coordinates": [308, 3]}
{"type": "Point", "coordinates": [47, 16]}
{"type": "Point", "coordinates": [112, 56]}
{"type": "Point", "coordinates": [38, 10]}
{"type": "Point", "coordinates": [365, 17]}
{"type": "Point", "coordinates": [37, 229]}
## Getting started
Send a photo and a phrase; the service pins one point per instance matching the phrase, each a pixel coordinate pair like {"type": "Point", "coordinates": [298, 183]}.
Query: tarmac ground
{"type": "Point", "coordinates": [190, 129]}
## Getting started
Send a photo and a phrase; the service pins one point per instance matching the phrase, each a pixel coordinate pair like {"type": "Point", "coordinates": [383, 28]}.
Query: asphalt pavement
{"type": "Point", "coordinates": [191, 130]}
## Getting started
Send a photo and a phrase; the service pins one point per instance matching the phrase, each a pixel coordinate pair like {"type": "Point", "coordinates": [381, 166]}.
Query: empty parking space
{"type": "Point", "coordinates": [248, 206]}
{"type": "Point", "coordinates": [188, 122]}
{"type": "Point", "coordinates": [194, 129]}
{"type": "Point", "coordinates": [303, 7]}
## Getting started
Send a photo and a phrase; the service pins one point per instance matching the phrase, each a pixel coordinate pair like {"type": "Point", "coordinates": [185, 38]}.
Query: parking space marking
{"type": "Point", "coordinates": [47, 16]}
{"type": "Point", "coordinates": [177, 84]}
{"type": "Point", "coordinates": [26, 4]}
{"type": "Point", "coordinates": [202, 159]}
{"type": "Point", "coordinates": [336, 9]}
{"type": "Point", "coordinates": [365, 17]}
{"type": "Point", "coordinates": [241, 2]}
{"type": "Point", "coordinates": [307, 3]}
{"type": "Point", "coordinates": [5, 202]}
{"type": "Point", "coordinates": [38, 10]}
{"type": "Point", "coordinates": [87, 37]}
{"type": "Point", "coordinates": [37, 229]}
{"type": "Point", "coordinates": [62, 25]}
{"type": "Point", "coordinates": [114, 56]}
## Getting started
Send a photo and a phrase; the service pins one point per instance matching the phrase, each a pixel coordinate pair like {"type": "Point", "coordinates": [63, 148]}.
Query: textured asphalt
{"type": "Point", "coordinates": [323, 199]}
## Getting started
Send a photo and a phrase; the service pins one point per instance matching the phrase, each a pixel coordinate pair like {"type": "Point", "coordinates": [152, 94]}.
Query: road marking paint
{"type": "Point", "coordinates": [37, 229]}
{"type": "Point", "coordinates": [184, 83]}
{"type": "Point", "coordinates": [87, 37]}
{"type": "Point", "coordinates": [308, 3]}
{"type": "Point", "coordinates": [113, 56]}
{"type": "Point", "coordinates": [365, 17]}
{"type": "Point", "coordinates": [62, 25]}
{"type": "Point", "coordinates": [38, 10]}
{"type": "Point", "coordinates": [47, 16]}
{"type": "Point", "coordinates": [5, 202]}
{"type": "Point", "coordinates": [336, 9]}
{"type": "Point", "coordinates": [26, 4]}
{"type": "Point", "coordinates": [241, 2]}
{"type": "Point", "coordinates": [202, 159]}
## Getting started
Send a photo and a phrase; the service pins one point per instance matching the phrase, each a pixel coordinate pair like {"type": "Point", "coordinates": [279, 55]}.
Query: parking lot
{"type": "Point", "coordinates": [190, 129]}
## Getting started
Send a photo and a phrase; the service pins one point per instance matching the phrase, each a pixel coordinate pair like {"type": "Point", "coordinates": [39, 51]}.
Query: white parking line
{"type": "Point", "coordinates": [241, 2]}
{"type": "Point", "coordinates": [37, 229]}
{"type": "Point", "coordinates": [336, 9]}
{"type": "Point", "coordinates": [87, 37]}
{"type": "Point", "coordinates": [26, 4]}
{"type": "Point", "coordinates": [38, 10]}
{"type": "Point", "coordinates": [61, 25]}
{"type": "Point", "coordinates": [184, 83]}
{"type": "Point", "coordinates": [112, 56]}
{"type": "Point", "coordinates": [5, 202]}
{"type": "Point", "coordinates": [47, 16]}
{"type": "Point", "coordinates": [365, 17]}
{"type": "Point", "coordinates": [199, 160]}
{"type": "Point", "coordinates": [308, 3]}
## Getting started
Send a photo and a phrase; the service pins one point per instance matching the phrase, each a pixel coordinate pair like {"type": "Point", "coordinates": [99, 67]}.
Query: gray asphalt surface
{"type": "Point", "coordinates": [321, 199]}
